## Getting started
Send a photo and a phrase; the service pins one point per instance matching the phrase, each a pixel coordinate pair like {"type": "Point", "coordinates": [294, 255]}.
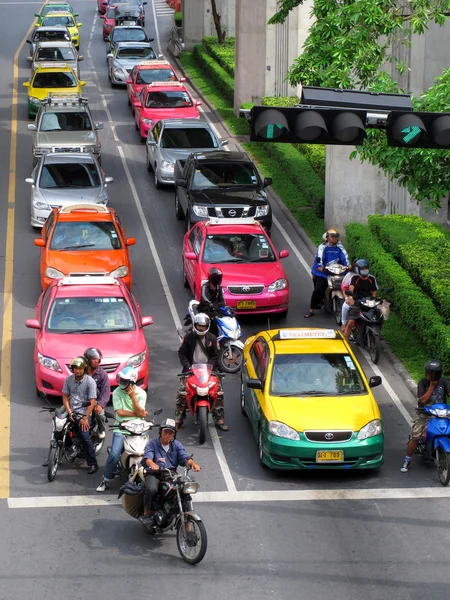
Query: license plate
{"type": "Point", "coordinates": [330, 456]}
{"type": "Point", "coordinates": [246, 304]}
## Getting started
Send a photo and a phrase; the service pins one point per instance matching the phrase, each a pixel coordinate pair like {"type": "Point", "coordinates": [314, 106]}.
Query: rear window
{"type": "Point", "coordinates": [69, 175]}
{"type": "Point", "coordinates": [188, 138]}
{"type": "Point", "coordinates": [168, 99]}
{"type": "Point", "coordinates": [151, 75]}
{"type": "Point", "coordinates": [125, 34]}
{"type": "Point", "coordinates": [136, 53]}
{"type": "Point", "coordinates": [55, 53]}
{"type": "Point", "coordinates": [57, 20]}
{"type": "Point", "coordinates": [85, 235]}
{"type": "Point", "coordinates": [54, 80]}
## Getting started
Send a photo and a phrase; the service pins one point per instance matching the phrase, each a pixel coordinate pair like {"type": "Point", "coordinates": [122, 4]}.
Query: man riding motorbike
{"type": "Point", "coordinates": [93, 358]}
{"type": "Point", "coordinates": [199, 346]}
{"type": "Point", "coordinates": [362, 285]}
{"type": "Point", "coordinates": [211, 297]}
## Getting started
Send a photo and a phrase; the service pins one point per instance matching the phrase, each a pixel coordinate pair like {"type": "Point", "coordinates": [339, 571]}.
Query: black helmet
{"type": "Point", "coordinates": [433, 369]}
{"type": "Point", "coordinates": [215, 276]}
{"type": "Point", "coordinates": [78, 361]}
{"type": "Point", "coordinates": [90, 353]}
{"type": "Point", "coordinates": [168, 424]}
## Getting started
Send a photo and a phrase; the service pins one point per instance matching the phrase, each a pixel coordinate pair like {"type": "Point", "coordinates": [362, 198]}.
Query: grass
{"type": "Point", "coordinates": [403, 343]}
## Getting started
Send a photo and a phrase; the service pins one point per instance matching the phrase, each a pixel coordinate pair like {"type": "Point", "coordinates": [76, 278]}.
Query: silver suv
{"type": "Point", "coordinates": [65, 124]}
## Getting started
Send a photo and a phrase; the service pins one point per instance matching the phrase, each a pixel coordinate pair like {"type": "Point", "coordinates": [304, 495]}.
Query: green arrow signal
{"type": "Point", "coordinates": [411, 134]}
{"type": "Point", "coordinates": [273, 133]}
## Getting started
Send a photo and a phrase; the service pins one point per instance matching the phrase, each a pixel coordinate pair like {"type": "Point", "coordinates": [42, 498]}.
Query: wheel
{"type": "Point", "coordinates": [178, 210]}
{"type": "Point", "coordinates": [337, 309]}
{"type": "Point", "coordinates": [136, 126]}
{"type": "Point", "coordinates": [185, 281]}
{"type": "Point", "coordinates": [442, 463]}
{"type": "Point", "coordinates": [149, 164]}
{"type": "Point", "coordinates": [233, 363]}
{"type": "Point", "coordinates": [192, 548]}
{"type": "Point", "coordinates": [53, 461]}
{"type": "Point", "coordinates": [98, 446]}
{"type": "Point", "coordinates": [260, 448]}
{"type": "Point", "coordinates": [142, 138]}
{"type": "Point", "coordinates": [158, 184]}
{"type": "Point", "coordinates": [202, 423]}
{"type": "Point", "coordinates": [243, 411]}
{"type": "Point", "coordinates": [129, 101]}
{"type": "Point", "coordinates": [372, 343]}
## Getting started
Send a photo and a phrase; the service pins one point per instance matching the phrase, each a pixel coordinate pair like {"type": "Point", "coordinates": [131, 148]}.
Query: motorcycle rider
{"type": "Point", "coordinates": [362, 285]}
{"type": "Point", "coordinates": [129, 403]}
{"type": "Point", "coordinates": [162, 452]}
{"type": "Point", "coordinates": [330, 253]}
{"type": "Point", "coordinates": [199, 346]}
{"type": "Point", "coordinates": [211, 297]}
{"type": "Point", "coordinates": [432, 389]}
{"type": "Point", "coordinates": [93, 358]}
{"type": "Point", "coordinates": [79, 398]}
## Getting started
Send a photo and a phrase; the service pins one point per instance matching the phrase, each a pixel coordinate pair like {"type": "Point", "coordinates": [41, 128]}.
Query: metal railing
{"type": "Point", "coordinates": [176, 44]}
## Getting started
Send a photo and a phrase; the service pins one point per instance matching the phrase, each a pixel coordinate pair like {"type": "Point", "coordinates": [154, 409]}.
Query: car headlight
{"type": "Point", "coordinates": [166, 164]}
{"type": "Point", "coordinates": [262, 211]}
{"type": "Point", "coordinates": [34, 100]}
{"type": "Point", "coordinates": [41, 205]}
{"type": "Point", "coordinates": [52, 273]}
{"type": "Point", "coordinates": [49, 363]}
{"type": "Point", "coordinates": [147, 121]}
{"type": "Point", "coordinates": [369, 430]}
{"type": "Point", "coordinates": [276, 286]}
{"type": "Point", "coordinates": [137, 359]}
{"type": "Point", "coordinates": [200, 211]}
{"type": "Point", "coordinates": [283, 431]}
{"type": "Point", "coordinates": [119, 272]}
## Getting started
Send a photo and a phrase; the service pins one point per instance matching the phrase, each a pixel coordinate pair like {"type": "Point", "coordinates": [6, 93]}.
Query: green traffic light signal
{"type": "Point", "coordinates": [411, 134]}
{"type": "Point", "coordinates": [418, 130]}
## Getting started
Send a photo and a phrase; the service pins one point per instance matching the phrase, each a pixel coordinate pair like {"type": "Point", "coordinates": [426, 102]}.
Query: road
{"type": "Point", "coordinates": [271, 535]}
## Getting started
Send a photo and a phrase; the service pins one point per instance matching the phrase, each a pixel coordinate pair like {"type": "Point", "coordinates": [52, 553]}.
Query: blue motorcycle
{"type": "Point", "coordinates": [435, 447]}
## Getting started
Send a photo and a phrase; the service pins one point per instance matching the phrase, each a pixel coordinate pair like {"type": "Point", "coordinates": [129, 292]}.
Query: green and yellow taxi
{"type": "Point", "coordinates": [51, 78]}
{"type": "Point", "coordinates": [52, 7]}
{"type": "Point", "coordinates": [64, 19]}
{"type": "Point", "coordinates": [309, 403]}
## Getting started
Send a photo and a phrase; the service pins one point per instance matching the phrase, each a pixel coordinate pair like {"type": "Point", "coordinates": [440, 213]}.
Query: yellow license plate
{"type": "Point", "coordinates": [245, 304]}
{"type": "Point", "coordinates": [330, 456]}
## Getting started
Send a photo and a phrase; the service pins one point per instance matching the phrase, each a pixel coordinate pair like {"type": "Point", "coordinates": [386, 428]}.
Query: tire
{"type": "Point", "coordinates": [443, 466]}
{"type": "Point", "coordinates": [187, 222]}
{"type": "Point", "coordinates": [158, 184]}
{"type": "Point", "coordinates": [260, 448]}
{"type": "Point", "coordinates": [373, 345]}
{"type": "Point", "coordinates": [98, 446]}
{"type": "Point", "coordinates": [224, 362]}
{"type": "Point", "coordinates": [202, 423]}
{"type": "Point", "coordinates": [337, 309]}
{"type": "Point", "coordinates": [185, 281]}
{"type": "Point", "coordinates": [243, 411]}
{"type": "Point", "coordinates": [192, 550]}
{"type": "Point", "coordinates": [53, 461]}
{"type": "Point", "coordinates": [136, 126]}
{"type": "Point", "coordinates": [178, 210]}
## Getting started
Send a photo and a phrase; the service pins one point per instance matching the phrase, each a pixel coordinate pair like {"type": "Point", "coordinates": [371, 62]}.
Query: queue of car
{"type": "Point", "coordinates": [306, 396]}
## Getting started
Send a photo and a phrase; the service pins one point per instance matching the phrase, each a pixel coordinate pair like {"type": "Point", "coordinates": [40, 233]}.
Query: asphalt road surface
{"type": "Point", "coordinates": [271, 535]}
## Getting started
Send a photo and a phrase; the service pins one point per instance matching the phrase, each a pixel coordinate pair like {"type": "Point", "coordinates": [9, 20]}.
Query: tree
{"type": "Point", "coordinates": [348, 45]}
{"type": "Point", "coordinates": [221, 33]}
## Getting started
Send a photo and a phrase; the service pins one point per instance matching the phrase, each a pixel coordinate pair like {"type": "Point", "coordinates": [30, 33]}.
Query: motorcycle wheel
{"type": "Point", "coordinates": [337, 309]}
{"type": "Point", "coordinates": [443, 466]}
{"type": "Point", "coordinates": [202, 423]}
{"type": "Point", "coordinates": [233, 363]}
{"type": "Point", "coordinates": [98, 446]}
{"type": "Point", "coordinates": [372, 343]}
{"type": "Point", "coordinates": [192, 547]}
{"type": "Point", "coordinates": [53, 461]}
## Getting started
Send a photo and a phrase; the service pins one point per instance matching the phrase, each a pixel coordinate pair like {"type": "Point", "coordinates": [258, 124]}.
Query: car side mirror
{"type": "Point", "coordinates": [102, 17]}
{"type": "Point", "coordinates": [79, 24]}
{"type": "Point", "coordinates": [374, 381]}
{"type": "Point", "coordinates": [224, 143]}
{"type": "Point", "coordinates": [182, 79]}
{"type": "Point", "coordinates": [198, 103]}
{"type": "Point", "coordinates": [29, 59]}
{"type": "Point", "coordinates": [82, 83]}
{"type": "Point", "coordinates": [130, 241]}
{"type": "Point", "coordinates": [254, 384]}
{"type": "Point", "coordinates": [80, 57]}
{"type": "Point", "coordinates": [32, 324]}
{"type": "Point", "coordinates": [284, 253]}
{"type": "Point", "coordinates": [190, 256]}
{"type": "Point", "coordinates": [129, 80]}
{"type": "Point", "coordinates": [144, 3]}
{"type": "Point", "coordinates": [39, 242]}
{"type": "Point", "coordinates": [31, 127]}
{"type": "Point", "coordinates": [110, 55]}
{"type": "Point", "coordinates": [151, 39]}
{"type": "Point", "coordinates": [29, 180]}
{"type": "Point", "coordinates": [180, 181]}
{"type": "Point", "coordinates": [109, 179]}
{"type": "Point", "coordinates": [98, 126]}
{"type": "Point", "coordinates": [146, 321]}
{"type": "Point", "coordinates": [76, 14]}
{"type": "Point", "coordinates": [150, 142]}
{"type": "Point", "coordinates": [267, 181]}
{"type": "Point", "coordinates": [37, 15]}
{"type": "Point", "coordinates": [26, 84]}
{"type": "Point", "coordinates": [29, 42]}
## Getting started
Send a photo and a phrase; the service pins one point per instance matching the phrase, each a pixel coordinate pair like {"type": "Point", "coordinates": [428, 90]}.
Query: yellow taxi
{"type": "Point", "coordinates": [55, 78]}
{"type": "Point", "coordinates": [309, 403]}
{"type": "Point", "coordinates": [66, 19]}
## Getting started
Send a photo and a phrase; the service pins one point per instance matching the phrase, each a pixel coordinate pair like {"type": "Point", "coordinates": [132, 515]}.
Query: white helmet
{"type": "Point", "coordinates": [324, 238]}
{"type": "Point", "coordinates": [201, 324]}
{"type": "Point", "coordinates": [126, 376]}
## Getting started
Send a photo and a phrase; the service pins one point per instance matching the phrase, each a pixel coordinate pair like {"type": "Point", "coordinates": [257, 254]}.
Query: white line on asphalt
{"type": "Point", "coordinates": [291, 244]}
{"type": "Point", "coordinates": [248, 496]}
{"type": "Point", "coordinates": [158, 41]}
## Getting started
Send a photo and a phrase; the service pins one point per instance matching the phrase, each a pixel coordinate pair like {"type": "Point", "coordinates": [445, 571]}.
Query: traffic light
{"type": "Point", "coordinates": [308, 125]}
{"type": "Point", "coordinates": [418, 129]}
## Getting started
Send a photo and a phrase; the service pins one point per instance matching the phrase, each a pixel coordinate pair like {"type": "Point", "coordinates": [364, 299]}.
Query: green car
{"type": "Point", "coordinates": [52, 7]}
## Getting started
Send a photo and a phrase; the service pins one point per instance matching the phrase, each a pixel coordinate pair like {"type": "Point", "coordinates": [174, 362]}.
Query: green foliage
{"type": "Point", "coordinates": [219, 76]}
{"type": "Point", "coordinates": [222, 53]}
{"type": "Point", "coordinates": [178, 18]}
{"type": "Point", "coordinates": [316, 155]}
{"type": "Point", "coordinates": [284, 8]}
{"type": "Point", "coordinates": [280, 101]}
{"type": "Point", "coordinates": [416, 309]}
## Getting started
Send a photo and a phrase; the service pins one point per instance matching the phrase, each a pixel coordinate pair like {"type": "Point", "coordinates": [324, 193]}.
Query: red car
{"type": "Point", "coordinates": [254, 280]}
{"type": "Point", "coordinates": [149, 71]}
{"type": "Point", "coordinates": [163, 101]}
{"type": "Point", "coordinates": [108, 22]}
{"type": "Point", "coordinates": [101, 6]}
{"type": "Point", "coordinates": [81, 312]}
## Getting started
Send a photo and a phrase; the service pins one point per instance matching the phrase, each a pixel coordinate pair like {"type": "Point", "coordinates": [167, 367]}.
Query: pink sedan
{"type": "Point", "coordinates": [81, 312]}
{"type": "Point", "coordinates": [254, 280]}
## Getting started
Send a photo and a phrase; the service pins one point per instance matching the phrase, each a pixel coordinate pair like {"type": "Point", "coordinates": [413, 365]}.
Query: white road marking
{"type": "Point", "coordinates": [158, 41]}
{"type": "Point", "coordinates": [247, 496]}
{"type": "Point", "coordinates": [294, 248]}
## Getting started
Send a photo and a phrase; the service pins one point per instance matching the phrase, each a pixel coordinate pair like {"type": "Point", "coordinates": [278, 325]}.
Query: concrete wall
{"type": "Point", "coordinates": [193, 22]}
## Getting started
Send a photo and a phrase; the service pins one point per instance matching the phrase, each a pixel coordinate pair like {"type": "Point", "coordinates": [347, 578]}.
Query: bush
{"type": "Point", "coordinates": [422, 249]}
{"type": "Point", "coordinates": [215, 72]}
{"type": "Point", "coordinates": [222, 53]}
{"type": "Point", "coordinates": [178, 18]}
{"type": "Point", "coordinates": [316, 155]}
{"type": "Point", "coordinates": [416, 309]}
{"type": "Point", "coordinates": [280, 101]}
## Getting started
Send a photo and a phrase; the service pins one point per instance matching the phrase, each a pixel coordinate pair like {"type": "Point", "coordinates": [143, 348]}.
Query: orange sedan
{"type": "Point", "coordinates": [84, 239]}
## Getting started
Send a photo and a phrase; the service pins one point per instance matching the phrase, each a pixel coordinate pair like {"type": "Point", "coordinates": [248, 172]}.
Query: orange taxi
{"type": "Point", "coordinates": [82, 240]}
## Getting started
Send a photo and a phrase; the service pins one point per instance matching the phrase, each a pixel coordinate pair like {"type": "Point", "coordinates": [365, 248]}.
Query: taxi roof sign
{"type": "Point", "coordinates": [175, 84]}
{"type": "Point", "coordinates": [297, 334]}
{"type": "Point", "coordinates": [225, 221]}
{"type": "Point", "coordinates": [54, 65]}
{"type": "Point", "coordinates": [88, 280]}
{"type": "Point", "coordinates": [153, 63]}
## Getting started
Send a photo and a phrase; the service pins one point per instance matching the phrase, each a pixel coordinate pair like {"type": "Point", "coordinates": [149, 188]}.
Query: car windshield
{"type": "Point", "coordinates": [168, 99]}
{"type": "Point", "coordinates": [191, 137]}
{"type": "Point", "coordinates": [125, 34]}
{"type": "Point", "coordinates": [315, 375]}
{"type": "Point", "coordinates": [229, 248]}
{"type": "Point", "coordinates": [65, 121]}
{"type": "Point", "coordinates": [54, 80]}
{"type": "Point", "coordinates": [224, 175]}
{"type": "Point", "coordinates": [84, 315]}
{"type": "Point", "coordinates": [136, 53]}
{"type": "Point", "coordinates": [64, 20]}
{"type": "Point", "coordinates": [151, 75]}
{"type": "Point", "coordinates": [55, 53]}
{"type": "Point", "coordinates": [69, 175]}
{"type": "Point", "coordinates": [85, 235]}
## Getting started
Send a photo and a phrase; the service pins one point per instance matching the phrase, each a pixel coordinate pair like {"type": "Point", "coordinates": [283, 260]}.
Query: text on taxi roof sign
{"type": "Point", "coordinates": [293, 334]}
{"type": "Point", "coordinates": [54, 65]}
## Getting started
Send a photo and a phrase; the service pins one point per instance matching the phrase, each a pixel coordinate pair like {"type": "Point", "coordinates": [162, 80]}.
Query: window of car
{"type": "Point", "coordinates": [193, 235]}
{"type": "Point", "coordinates": [242, 248]}
{"type": "Point", "coordinates": [126, 34]}
{"type": "Point", "coordinates": [110, 13]}
{"type": "Point", "coordinates": [224, 174]}
{"type": "Point", "coordinates": [57, 20]}
{"type": "Point", "coordinates": [69, 175]}
{"type": "Point", "coordinates": [150, 75]}
{"type": "Point", "coordinates": [136, 53]}
{"type": "Point", "coordinates": [198, 241]}
{"type": "Point", "coordinates": [45, 303]}
{"type": "Point", "coordinates": [65, 121]}
{"type": "Point", "coordinates": [188, 137]}
{"type": "Point", "coordinates": [156, 131]}
{"type": "Point", "coordinates": [259, 355]}
{"type": "Point", "coordinates": [168, 99]}
{"type": "Point", "coordinates": [55, 53]}
{"type": "Point", "coordinates": [48, 225]}
{"type": "Point", "coordinates": [85, 235]}
{"type": "Point", "coordinates": [87, 314]}
{"type": "Point", "coordinates": [315, 375]}
{"type": "Point", "coordinates": [54, 80]}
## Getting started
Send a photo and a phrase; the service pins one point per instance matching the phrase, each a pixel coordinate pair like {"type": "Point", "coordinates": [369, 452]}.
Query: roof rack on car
{"type": "Point", "coordinates": [166, 84]}
{"type": "Point", "coordinates": [65, 99]}
{"type": "Point", "coordinates": [225, 221]}
{"type": "Point", "coordinates": [155, 61]}
{"type": "Point", "coordinates": [88, 280]}
{"type": "Point", "coordinates": [99, 208]}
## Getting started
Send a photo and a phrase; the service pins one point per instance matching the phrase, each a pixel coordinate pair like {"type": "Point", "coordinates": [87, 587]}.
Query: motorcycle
{"type": "Point", "coordinates": [202, 389]}
{"type": "Point", "coordinates": [373, 312]}
{"type": "Point", "coordinates": [435, 446]}
{"type": "Point", "coordinates": [65, 441]}
{"type": "Point", "coordinates": [334, 298]}
{"type": "Point", "coordinates": [173, 510]}
{"type": "Point", "coordinates": [231, 348]}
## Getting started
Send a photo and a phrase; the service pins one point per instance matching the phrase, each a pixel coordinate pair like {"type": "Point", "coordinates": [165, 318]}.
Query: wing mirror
{"type": "Point", "coordinates": [29, 180]}
{"type": "Point", "coordinates": [32, 324]}
{"type": "Point", "coordinates": [79, 24]}
{"type": "Point", "coordinates": [190, 256]}
{"type": "Point", "coordinates": [284, 253]}
{"type": "Point", "coordinates": [29, 59]}
{"type": "Point", "coordinates": [39, 242]}
{"type": "Point", "coordinates": [26, 84]}
{"type": "Point", "coordinates": [198, 103]}
{"type": "Point", "coordinates": [31, 127]}
{"type": "Point", "coordinates": [182, 79]}
{"type": "Point", "coordinates": [254, 384]}
{"type": "Point", "coordinates": [374, 381]}
{"type": "Point", "coordinates": [267, 181]}
{"type": "Point", "coordinates": [29, 42]}
{"type": "Point", "coordinates": [180, 181]}
{"type": "Point", "coordinates": [98, 126]}
{"type": "Point", "coordinates": [80, 57]}
{"type": "Point", "coordinates": [146, 321]}
{"type": "Point", "coordinates": [102, 17]}
{"type": "Point", "coordinates": [109, 179]}
{"type": "Point", "coordinates": [130, 241]}
{"type": "Point", "coordinates": [224, 143]}
{"type": "Point", "coordinates": [110, 55]}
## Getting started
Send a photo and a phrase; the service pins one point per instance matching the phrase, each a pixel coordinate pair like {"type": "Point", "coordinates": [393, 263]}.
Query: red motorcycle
{"type": "Point", "coordinates": [202, 388]}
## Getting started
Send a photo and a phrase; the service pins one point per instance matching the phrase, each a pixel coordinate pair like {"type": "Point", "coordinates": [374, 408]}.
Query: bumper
{"type": "Point", "coordinates": [144, 128]}
{"type": "Point", "coordinates": [283, 454]}
{"type": "Point", "coordinates": [266, 302]}
{"type": "Point", "coordinates": [39, 216]}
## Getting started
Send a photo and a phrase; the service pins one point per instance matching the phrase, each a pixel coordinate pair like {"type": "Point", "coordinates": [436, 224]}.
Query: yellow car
{"type": "Point", "coordinates": [66, 19]}
{"type": "Point", "coordinates": [55, 78]}
{"type": "Point", "coordinates": [309, 403]}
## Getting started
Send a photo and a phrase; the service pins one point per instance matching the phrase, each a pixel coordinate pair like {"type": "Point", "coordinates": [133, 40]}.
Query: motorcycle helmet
{"type": "Point", "coordinates": [433, 369]}
{"type": "Point", "coordinates": [332, 233]}
{"type": "Point", "coordinates": [168, 424]}
{"type": "Point", "coordinates": [126, 376]}
{"type": "Point", "coordinates": [362, 267]}
{"type": "Point", "coordinates": [201, 324]}
{"type": "Point", "coordinates": [78, 361]}
{"type": "Point", "coordinates": [324, 238]}
{"type": "Point", "coordinates": [215, 277]}
{"type": "Point", "coordinates": [92, 353]}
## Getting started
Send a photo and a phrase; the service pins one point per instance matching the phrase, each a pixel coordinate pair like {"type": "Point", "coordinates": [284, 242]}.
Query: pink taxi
{"type": "Point", "coordinates": [149, 71]}
{"type": "Point", "coordinates": [108, 21]}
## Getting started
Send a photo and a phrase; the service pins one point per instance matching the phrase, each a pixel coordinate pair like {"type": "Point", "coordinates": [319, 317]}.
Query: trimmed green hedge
{"type": "Point", "coordinates": [178, 18]}
{"type": "Point", "coordinates": [416, 309]}
{"type": "Point", "coordinates": [222, 53]}
{"type": "Point", "coordinates": [316, 155]}
{"type": "Point", "coordinates": [280, 101]}
{"type": "Point", "coordinates": [422, 249]}
{"type": "Point", "coordinates": [219, 76]}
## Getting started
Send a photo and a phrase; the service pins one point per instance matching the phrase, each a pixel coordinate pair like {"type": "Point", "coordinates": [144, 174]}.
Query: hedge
{"type": "Point", "coordinates": [218, 75]}
{"type": "Point", "coordinates": [422, 249]}
{"type": "Point", "coordinates": [416, 309]}
{"type": "Point", "coordinates": [222, 53]}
